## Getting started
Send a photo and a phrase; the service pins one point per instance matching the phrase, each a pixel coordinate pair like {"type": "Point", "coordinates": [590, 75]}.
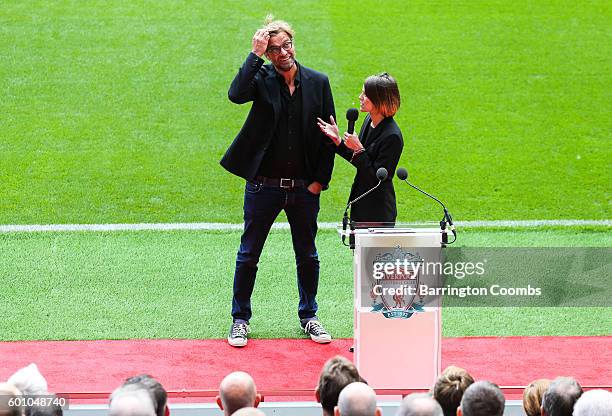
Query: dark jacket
{"type": "Point", "coordinates": [258, 83]}
{"type": "Point", "coordinates": [383, 148]}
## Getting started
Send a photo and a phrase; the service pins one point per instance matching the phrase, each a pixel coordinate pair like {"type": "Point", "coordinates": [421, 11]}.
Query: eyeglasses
{"type": "Point", "coordinates": [275, 50]}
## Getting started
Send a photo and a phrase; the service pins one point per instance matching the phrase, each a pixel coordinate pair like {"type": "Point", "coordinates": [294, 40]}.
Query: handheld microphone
{"type": "Point", "coordinates": [402, 175]}
{"type": "Point", "coordinates": [352, 114]}
{"type": "Point", "coordinates": [381, 175]}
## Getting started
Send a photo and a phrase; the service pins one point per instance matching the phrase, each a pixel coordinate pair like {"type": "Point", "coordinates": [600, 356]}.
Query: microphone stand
{"type": "Point", "coordinates": [346, 221]}
{"type": "Point", "coordinates": [352, 235]}
{"type": "Point", "coordinates": [447, 219]}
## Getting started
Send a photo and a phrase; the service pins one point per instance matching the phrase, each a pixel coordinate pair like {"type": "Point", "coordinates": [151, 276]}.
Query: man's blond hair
{"type": "Point", "coordinates": [274, 26]}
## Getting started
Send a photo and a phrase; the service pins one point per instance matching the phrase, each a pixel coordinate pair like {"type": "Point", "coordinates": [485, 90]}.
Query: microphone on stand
{"type": "Point", "coordinates": [352, 114]}
{"type": "Point", "coordinates": [381, 175]}
{"type": "Point", "coordinates": [402, 175]}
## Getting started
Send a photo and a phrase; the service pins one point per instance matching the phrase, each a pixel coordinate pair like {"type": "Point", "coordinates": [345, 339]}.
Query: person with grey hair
{"type": "Point", "coordinates": [46, 409]}
{"type": "Point", "coordinates": [131, 400]}
{"type": "Point", "coordinates": [158, 392]}
{"type": "Point", "coordinates": [594, 403]}
{"type": "Point", "coordinates": [7, 406]}
{"type": "Point", "coordinates": [357, 399]}
{"type": "Point", "coordinates": [249, 411]}
{"type": "Point", "coordinates": [560, 397]}
{"type": "Point", "coordinates": [236, 391]}
{"type": "Point", "coordinates": [29, 381]}
{"type": "Point", "coordinates": [419, 404]}
{"type": "Point", "coordinates": [482, 398]}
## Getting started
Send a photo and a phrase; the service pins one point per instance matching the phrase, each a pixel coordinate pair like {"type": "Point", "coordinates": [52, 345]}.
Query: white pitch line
{"type": "Point", "coordinates": [217, 226]}
{"type": "Point", "coordinates": [532, 223]}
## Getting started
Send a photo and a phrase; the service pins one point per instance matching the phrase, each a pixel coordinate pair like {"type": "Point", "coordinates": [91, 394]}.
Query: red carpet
{"type": "Point", "coordinates": [89, 366]}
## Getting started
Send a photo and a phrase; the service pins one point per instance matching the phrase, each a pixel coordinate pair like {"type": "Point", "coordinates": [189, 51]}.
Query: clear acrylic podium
{"type": "Point", "coordinates": [397, 330]}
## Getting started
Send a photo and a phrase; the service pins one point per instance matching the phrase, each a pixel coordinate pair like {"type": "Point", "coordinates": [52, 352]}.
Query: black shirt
{"type": "Point", "coordinates": [285, 156]}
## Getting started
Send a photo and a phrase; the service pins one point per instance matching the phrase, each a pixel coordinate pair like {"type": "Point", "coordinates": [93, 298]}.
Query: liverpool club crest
{"type": "Point", "coordinates": [395, 282]}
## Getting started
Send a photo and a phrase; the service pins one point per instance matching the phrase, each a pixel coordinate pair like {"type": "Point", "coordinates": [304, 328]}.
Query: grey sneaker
{"type": "Point", "coordinates": [238, 335]}
{"type": "Point", "coordinates": [316, 331]}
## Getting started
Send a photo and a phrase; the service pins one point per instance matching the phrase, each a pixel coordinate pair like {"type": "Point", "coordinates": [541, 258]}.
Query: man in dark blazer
{"type": "Point", "coordinates": [286, 162]}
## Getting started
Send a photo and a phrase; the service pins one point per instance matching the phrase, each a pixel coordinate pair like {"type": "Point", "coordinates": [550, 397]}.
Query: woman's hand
{"type": "Point", "coordinates": [352, 142]}
{"type": "Point", "coordinates": [330, 129]}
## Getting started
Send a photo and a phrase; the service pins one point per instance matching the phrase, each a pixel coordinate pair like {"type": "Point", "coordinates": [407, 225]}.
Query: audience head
{"type": "Point", "coordinates": [420, 404]}
{"type": "Point", "coordinates": [449, 388]}
{"type": "Point", "coordinates": [357, 399]}
{"type": "Point", "coordinates": [53, 409]}
{"type": "Point", "coordinates": [559, 398]}
{"type": "Point", "coordinates": [337, 373]}
{"type": "Point", "coordinates": [131, 400]}
{"type": "Point", "coordinates": [532, 396]}
{"type": "Point", "coordinates": [237, 390]}
{"type": "Point", "coordinates": [160, 396]}
{"type": "Point", "coordinates": [482, 398]}
{"type": "Point", "coordinates": [341, 392]}
{"type": "Point", "coordinates": [594, 403]}
{"type": "Point", "coordinates": [8, 392]}
{"type": "Point", "coordinates": [29, 381]}
{"type": "Point", "coordinates": [249, 411]}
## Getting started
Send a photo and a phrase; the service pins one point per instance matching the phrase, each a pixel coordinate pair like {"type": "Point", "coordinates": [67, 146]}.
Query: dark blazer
{"type": "Point", "coordinates": [258, 83]}
{"type": "Point", "coordinates": [383, 148]}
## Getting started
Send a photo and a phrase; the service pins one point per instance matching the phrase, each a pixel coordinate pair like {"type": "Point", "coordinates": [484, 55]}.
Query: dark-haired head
{"type": "Point", "coordinates": [337, 373]}
{"type": "Point", "coordinates": [383, 91]}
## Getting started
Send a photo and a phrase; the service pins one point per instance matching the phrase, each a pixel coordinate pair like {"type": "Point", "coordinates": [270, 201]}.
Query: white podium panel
{"type": "Point", "coordinates": [392, 354]}
{"type": "Point", "coordinates": [397, 336]}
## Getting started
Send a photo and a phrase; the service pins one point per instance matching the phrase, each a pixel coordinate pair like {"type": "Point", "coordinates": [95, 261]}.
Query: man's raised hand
{"type": "Point", "coordinates": [260, 42]}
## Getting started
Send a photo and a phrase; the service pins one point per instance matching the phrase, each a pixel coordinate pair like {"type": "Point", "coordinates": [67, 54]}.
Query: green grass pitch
{"type": "Point", "coordinates": [117, 111]}
{"type": "Point", "coordinates": [178, 285]}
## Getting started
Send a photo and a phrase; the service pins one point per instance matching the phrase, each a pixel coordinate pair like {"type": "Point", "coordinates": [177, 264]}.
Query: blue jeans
{"type": "Point", "coordinates": [262, 204]}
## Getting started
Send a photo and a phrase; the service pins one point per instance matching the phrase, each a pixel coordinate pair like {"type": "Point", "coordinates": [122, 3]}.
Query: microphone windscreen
{"type": "Point", "coordinates": [381, 174]}
{"type": "Point", "coordinates": [352, 114]}
{"type": "Point", "coordinates": [402, 174]}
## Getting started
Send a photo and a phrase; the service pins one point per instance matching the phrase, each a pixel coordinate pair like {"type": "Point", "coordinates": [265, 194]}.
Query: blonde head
{"type": "Point", "coordinates": [449, 388]}
{"type": "Point", "coordinates": [532, 396]}
{"type": "Point", "coordinates": [274, 27]}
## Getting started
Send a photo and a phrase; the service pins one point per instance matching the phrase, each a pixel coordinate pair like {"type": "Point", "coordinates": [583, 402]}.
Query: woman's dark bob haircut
{"type": "Point", "coordinates": [382, 90]}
